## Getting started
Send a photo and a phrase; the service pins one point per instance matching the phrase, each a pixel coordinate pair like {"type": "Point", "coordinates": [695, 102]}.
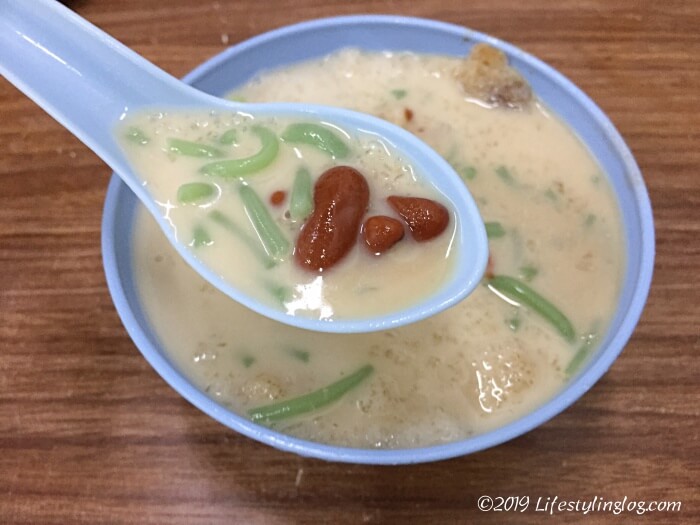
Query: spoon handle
{"type": "Point", "coordinates": [78, 74]}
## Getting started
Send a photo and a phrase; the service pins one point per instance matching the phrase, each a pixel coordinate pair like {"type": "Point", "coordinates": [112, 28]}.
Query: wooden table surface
{"type": "Point", "coordinates": [90, 434]}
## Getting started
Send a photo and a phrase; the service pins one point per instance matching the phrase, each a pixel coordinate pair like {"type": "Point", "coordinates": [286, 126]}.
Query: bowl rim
{"type": "Point", "coordinates": [559, 402]}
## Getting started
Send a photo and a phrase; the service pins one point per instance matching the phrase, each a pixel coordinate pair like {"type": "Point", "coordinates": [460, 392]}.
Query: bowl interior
{"type": "Point", "coordinates": [317, 38]}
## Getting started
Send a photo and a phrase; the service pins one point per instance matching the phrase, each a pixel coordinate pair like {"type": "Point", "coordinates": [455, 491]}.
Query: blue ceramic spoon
{"type": "Point", "coordinates": [88, 82]}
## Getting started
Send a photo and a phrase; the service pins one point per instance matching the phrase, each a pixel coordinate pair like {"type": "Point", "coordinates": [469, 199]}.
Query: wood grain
{"type": "Point", "coordinates": [90, 434]}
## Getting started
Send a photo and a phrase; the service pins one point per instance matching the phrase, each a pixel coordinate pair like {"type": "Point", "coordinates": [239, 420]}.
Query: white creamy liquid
{"type": "Point", "coordinates": [360, 285]}
{"type": "Point", "coordinates": [465, 371]}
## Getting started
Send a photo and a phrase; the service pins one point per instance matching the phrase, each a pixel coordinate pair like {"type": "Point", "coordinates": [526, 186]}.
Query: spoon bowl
{"type": "Point", "coordinates": [89, 82]}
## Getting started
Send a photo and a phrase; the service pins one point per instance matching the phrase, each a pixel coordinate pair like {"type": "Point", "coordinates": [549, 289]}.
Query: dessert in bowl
{"type": "Point", "coordinates": [571, 241]}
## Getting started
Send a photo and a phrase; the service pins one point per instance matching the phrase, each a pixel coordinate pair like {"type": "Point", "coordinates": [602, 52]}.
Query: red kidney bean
{"type": "Point", "coordinates": [425, 218]}
{"type": "Point", "coordinates": [341, 196]}
{"type": "Point", "coordinates": [277, 197]}
{"type": "Point", "coordinates": [381, 233]}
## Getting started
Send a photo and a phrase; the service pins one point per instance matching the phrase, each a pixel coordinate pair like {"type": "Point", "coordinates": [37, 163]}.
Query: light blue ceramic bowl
{"type": "Point", "coordinates": [314, 39]}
